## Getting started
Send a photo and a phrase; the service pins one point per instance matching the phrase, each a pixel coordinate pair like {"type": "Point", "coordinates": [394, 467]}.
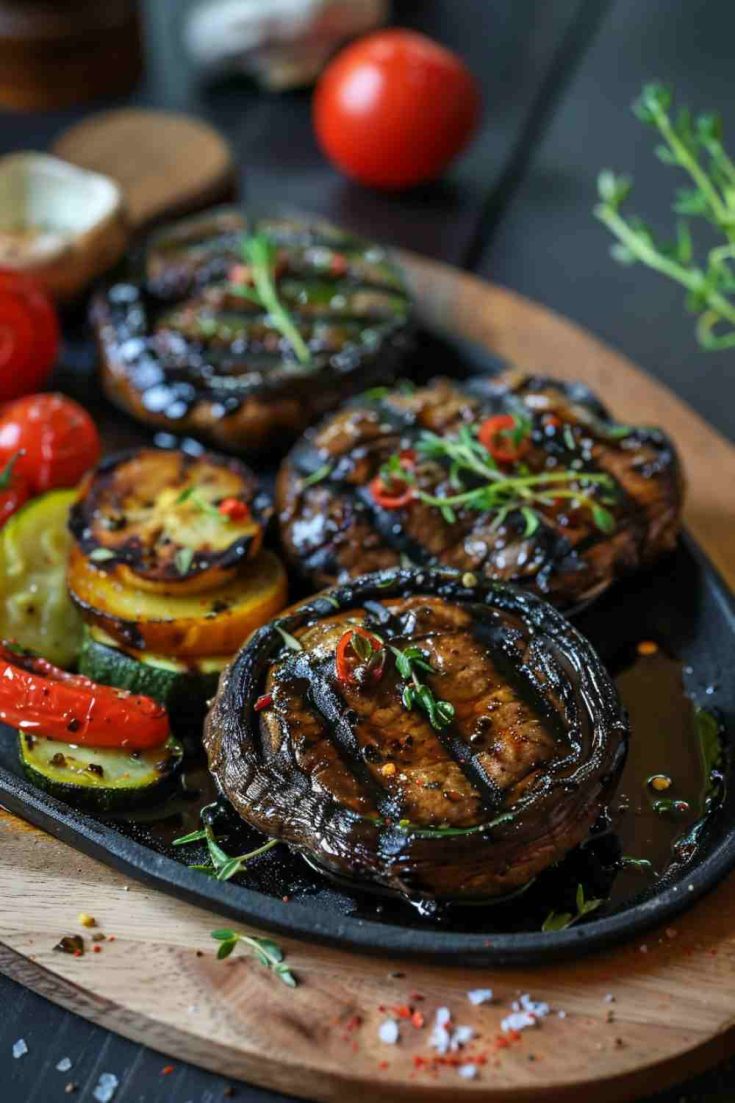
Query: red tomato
{"type": "Point", "coordinates": [57, 437]}
{"type": "Point", "coordinates": [14, 490]}
{"type": "Point", "coordinates": [29, 335]}
{"type": "Point", "coordinates": [394, 108]}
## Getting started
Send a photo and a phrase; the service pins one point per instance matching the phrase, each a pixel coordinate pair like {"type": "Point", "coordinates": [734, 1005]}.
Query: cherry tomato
{"type": "Point", "coordinates": [14, 490]}
{"type": "Point", "coordinates": [57, 437]}
{"type": "Point", "coordinates": [234, 509]}
{"type": "Point", "coordinates": [29, 335]}
{"type": "Point", "coordinates": [394, 108]}
{"type": "Point", "coordinates": [497, 435]}
{"type": "Point", "coordinates": [348, 659]}
{"type": "Point", "coordinates": [39, 697]}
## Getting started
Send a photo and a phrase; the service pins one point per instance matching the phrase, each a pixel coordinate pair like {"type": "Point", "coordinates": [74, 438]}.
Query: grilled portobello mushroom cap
{"type": "Point", "coordinates": [187, 344]}
{"type": "Point", "coordinates": [425, 731]}
{"type": "Point", "coordinates": [520, 478]}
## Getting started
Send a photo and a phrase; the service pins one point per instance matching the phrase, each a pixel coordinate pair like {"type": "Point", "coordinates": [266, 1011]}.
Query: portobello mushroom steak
{"type": "Point", "coordinates": [243, 330]}
{"type": "Point", "coordinates": [520, 478]}
{"type": "Point", "coordinates": [438, 735]}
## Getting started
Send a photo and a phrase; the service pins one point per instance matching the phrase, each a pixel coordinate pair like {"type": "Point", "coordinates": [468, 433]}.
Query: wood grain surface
{"type": "Point", "coordinates": [165, 163]}
{"type": "Point", "coordinates": [159, 982]}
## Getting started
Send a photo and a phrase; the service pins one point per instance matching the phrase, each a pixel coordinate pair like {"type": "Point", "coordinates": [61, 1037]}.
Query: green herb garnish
{"type": "Point", "coordinates": [448, 832]}
{"type": "Point", "coordinates": [183, 560]}
{"type": "Point", "coordinates": [101, 555]}
{"type": "Point", "coordinates": [193, 494]}
{"type": "Point", "coordinates": [317, 476]}
{"type": "Point", "coordinates": [559, 921]}
{"type": "Point", "coordinates": [265, 950]}
{"type": "Point", "coordinates": [6, 473]}
{"type": "Point", "coordinates": [641, 864]}
{"type": "Point", "coordinates": [501, 492]}
{"type": "Point", "coordinates": [410, 664]}
{"type": "Point", "coordinates": [694, 144]}
{"type": "Point", "coordinates": [222, 866]}
{"type": "Point", "coordinates": [260, 254]}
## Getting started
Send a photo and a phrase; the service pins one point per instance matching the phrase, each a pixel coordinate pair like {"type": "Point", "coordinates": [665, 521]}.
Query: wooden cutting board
{"type": "Point", "coordinates": [166, 163]}
{"type": "Point", "coordinates": [633, 1019]}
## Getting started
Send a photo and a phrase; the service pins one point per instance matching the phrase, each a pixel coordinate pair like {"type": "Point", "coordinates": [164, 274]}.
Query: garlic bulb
{"type": "Point", "coordinates": [282, 43]}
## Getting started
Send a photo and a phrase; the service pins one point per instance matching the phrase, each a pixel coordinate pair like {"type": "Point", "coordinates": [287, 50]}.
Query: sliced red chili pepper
{"type": "Point", "coordinates": [347, 660]}
{"type": "Point", "coordinates": [233, 508]}
{"type": "Point", "coordinates": [495, 435]}
{"type": "Point", "coordinates": [394, 492]}
{"type": "Point", "coordinates": [263, 702]}
{"type": "Point", "coordinates": [36, 696]}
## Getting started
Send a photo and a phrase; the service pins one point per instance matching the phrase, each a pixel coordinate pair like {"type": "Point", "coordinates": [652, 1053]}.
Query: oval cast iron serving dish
{"type": "Point", "coordinates": [345, 773]}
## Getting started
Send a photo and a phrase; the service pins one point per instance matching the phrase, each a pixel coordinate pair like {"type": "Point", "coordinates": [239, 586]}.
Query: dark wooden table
{"type": "Point", "coordinates": [558, 76]}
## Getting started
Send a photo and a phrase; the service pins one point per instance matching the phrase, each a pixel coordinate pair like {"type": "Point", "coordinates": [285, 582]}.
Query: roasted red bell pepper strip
{"type": "Point", "coordinates": [36, 696]}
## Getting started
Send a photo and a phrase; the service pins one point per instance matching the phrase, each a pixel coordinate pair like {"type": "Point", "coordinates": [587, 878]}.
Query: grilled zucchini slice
{"type": "Point", "coordinates": [35, 609]}
{"type": "Point", "coordinates": [183, 688]}
{"type": "Point", "coordinates": [169, 522]}
{"type": "Point", "coordinates": [193, 626]}
{"type": "Point", "coordinates": [104, 779]}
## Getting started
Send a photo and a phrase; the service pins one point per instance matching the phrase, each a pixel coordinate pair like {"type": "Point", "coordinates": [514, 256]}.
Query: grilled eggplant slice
{"type": "Point", "coordinates": [522, 479]}
{"type": "Point", "coordinates": [170, 522]}
{"type": "Point", "coordinates": [184, 348]}
{"type": "Point", "coordinates": [435, 734]}
{"type": "Point", "coordinates": [192, 626]}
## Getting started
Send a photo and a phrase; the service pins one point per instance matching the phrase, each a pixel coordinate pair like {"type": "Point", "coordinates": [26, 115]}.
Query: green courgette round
{"type": "Point", "coordinates": [101, 779]}
{"type": "Point", "coordinates": [183, 688]}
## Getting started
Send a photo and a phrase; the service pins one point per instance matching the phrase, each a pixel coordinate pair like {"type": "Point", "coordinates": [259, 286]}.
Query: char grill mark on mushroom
{"type": "Point", "coordinates": [185, 338]}
{"type": "Point", "coordinates": [595, 499]}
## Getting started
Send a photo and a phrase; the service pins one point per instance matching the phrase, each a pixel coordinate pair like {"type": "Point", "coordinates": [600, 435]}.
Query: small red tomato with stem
{"type": "Point", "coordinates": [14, 489]}
{"type": "Point", "coordinates": [394, 108]}
{"type": "Point", "coordinates": [29, 335]}
{"type": "Point", "coordinates": [56, 437]}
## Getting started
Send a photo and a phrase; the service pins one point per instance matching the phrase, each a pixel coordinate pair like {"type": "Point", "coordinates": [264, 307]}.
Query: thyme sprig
{"type": "Point", "coordinates": [503, 492]}
{"type": "Point", "coordinates": [194, 495]}
{"type": "Point", "coordinates": [559, 921]}
{"type": "Point", "coordinates": [411, 662]}
{"type": "Point", "coordinates": [693, 144]}
{"type": "Point", "coordinates": [265, 950]}
{"type": "Point", "coordinates": [261, 255]}
{"type": "Point", "coordinates": [222, 866]}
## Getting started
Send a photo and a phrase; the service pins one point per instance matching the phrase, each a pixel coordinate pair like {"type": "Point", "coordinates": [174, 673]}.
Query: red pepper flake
{"type": "Point", "coordinates": [417, 1020]}
{"type": "Point", "coordinates": [263, 702]}
{"type": "Point", "coordinates": [415, 997]}
{"type": "Point", "coordinates": [383, 1065]}
{"type": "Point", "coordinates": [167, 1070]}
{"type": "Point", "coordinates": [403, 1011]}
{"type": "Point", "coordinates": [96, 949]}
{"type": "Point", "coordinates": [76, 953]}
{"type": "Point", "coordinates": [110, 938]}
{"type": "Point", "coordinates": [234, 509]}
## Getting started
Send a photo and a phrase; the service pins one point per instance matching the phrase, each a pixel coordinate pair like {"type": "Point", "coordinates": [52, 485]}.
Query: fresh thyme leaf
{"type": "Point", "coordinates": [6, 473]}
{"type": "Point", "coordinates": [410, 663]}
{"type": "Point", "coordinates": [559, 921]}
{"type": "Point", "coordinates": [317, 476]}
{"type": "Point", "coordinates": [260, 253]}
{"type": "Point", "coordinates": [642, 864]}
{"type": "Point", "coordinates": [447, 832]}
{"type": "Point", "coordinates": [193, 494]}
{"type": "Point", "coordinates": [532, 520]}
{"type": "Point", "coordinates": [192, 837]}
{"type": "Point", "coordinates": [694, 145]}
{"type": "Point", "coordinates": [603, 519]}
{"type": "Point", "coordinates": [265, 951]}
{"type": "Point", "coordinates": [183, 560]}
{"type": "Point", "coordinates": [101, 555]}
{"type": "Point", "coordinates": [290, 641]}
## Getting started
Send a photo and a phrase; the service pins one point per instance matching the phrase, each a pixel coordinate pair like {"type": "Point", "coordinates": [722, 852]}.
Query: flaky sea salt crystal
{"type": "Point", "coordinates": [63, 1065]}
{"type": "Point", "coordinates": [20, 1048]}
{"type": "Point", "coordinates": [476, 996]}
{"type": "Point", "coordinates": [467, 1072]}
{"type": "Point", "coordinates": [388, 1032]}
{"type": "Point", "coordinates": [107, 1085]}
{"type": "Point", "coordinates": [518, 1020]}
